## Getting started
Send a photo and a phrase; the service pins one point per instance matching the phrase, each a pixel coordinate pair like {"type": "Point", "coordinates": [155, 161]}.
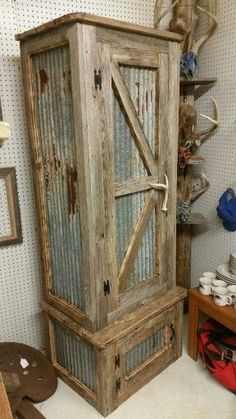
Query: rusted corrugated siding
{"type": "Point", "coordinates": [141, 85]}
{"type": "Point", "coordinates": [76, 356]}
{"type": "Point", "coordinates": [57, 137]}
{"type": "Point", "coordinates": [144, 350]}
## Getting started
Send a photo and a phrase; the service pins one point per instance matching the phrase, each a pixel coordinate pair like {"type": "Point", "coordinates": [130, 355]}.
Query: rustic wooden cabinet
{"type": "Point", "coordinates": [102, 110]}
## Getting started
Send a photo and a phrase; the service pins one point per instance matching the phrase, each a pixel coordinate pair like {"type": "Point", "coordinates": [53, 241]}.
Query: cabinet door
{"type": "Point", "coordinates": [144, 120]}
{"type": "Point", "coordinates": [146, 351]}
{"type": "Point", "coordinates": [131, 128]}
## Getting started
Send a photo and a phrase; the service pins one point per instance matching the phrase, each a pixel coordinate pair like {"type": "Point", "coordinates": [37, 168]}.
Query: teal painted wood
{"type": "Point", "coordinates": [76, 356]}
{"type": "Point", "coordinates": [56, 131]}
{"type": "Point", "coordinates": [144, 350]}
{"type": "Point", "coordinates": [141, 85]}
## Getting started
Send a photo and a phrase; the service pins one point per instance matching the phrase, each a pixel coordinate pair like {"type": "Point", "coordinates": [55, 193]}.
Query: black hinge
{"type": "Point", "coordinates": [106, 287]}
{"type": "Point", "coordinates": [172, 332]}
{"type": "Point", "coordinates": [118, 384]}
{"type": "Point", "coordinates": [117, 361]}
{"type": "Point", "coordinates": [98, 79]}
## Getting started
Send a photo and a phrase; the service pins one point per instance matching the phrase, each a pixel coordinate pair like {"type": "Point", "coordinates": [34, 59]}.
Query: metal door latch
{"type": "Point", "coordinates": [106, 287]}
{"type": "Point", "coordinates": [165, 187]}
{"type": "Point", "coordinates": [98, 79]}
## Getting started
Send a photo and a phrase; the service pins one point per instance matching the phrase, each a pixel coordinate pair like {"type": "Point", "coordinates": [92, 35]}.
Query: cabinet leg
{"type": "Point", "coordinates": [192, 328]}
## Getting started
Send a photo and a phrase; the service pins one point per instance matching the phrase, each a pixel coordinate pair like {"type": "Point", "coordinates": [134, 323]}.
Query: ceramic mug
{"type": "Point", "coordinates": [219, 283]}
{"type": "Point", "coordinates": [232, 292]}
{"type": "Point", "coordinates": [222, 300]}
{"type": "Point", "coordinates": [220, 290]}
{"type": "Point", "coordinates": [209, 275]}
{"type": "Point", "coordinates": [205, 285]}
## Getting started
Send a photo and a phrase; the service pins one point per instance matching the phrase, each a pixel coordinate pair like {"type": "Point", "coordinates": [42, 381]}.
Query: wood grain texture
{"type": "Point", "coordinates": [8, 176]}
{"type": "Point", "coordinates": [37, 163]}
{"type": "Point", "coordinates": [98, 21]}
{"type": "Point", "coordinates": [5, 410]}
{"type": "Point", "coordinates": [130, 57]}
{"type": "Point", "coordinates": [171, 161]}
{"type": "Point", "coordinates": [97, 134]}
{"type": "Point", "coordinates": [106, 373]}
{"type": "Point", "coordinates": [118, 39]}
{"type": "Point", "coordinates": [79, 91]}
{"type": "Point", "coordinates": [183, 259]}
{"type": "Point", "coordinates": [136, 185]}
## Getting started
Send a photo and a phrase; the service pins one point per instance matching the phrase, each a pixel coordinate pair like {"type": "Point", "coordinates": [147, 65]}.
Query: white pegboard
{"type": "Point", "coordinates": [217, 59]}
{"type": "Point", "coordinates": [20, 274]}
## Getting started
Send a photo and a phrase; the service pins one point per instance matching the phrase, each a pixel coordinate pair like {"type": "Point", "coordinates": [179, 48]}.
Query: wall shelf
{"type": "Point", "coordinates": [195, 219]}
{"type": "Point", "coordinates": [199, 86]}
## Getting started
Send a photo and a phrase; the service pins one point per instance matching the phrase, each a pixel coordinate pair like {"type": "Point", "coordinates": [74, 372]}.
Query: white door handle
{"type": "Point", "coordinates": [165, 187]}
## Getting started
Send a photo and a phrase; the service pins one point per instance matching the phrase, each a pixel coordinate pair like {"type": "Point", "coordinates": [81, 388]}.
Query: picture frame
{"type": "Point", "coordinates": [10, 223]}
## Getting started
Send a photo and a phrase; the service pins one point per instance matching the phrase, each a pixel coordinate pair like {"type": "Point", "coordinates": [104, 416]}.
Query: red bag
{"type": "Point", "coordinates": [217, 348]}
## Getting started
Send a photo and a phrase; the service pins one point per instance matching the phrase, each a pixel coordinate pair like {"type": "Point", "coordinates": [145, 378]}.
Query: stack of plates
{"type": "Point", "coordinates": [225, 274]}
{"type": "Point", "coordinates": [232, 263]}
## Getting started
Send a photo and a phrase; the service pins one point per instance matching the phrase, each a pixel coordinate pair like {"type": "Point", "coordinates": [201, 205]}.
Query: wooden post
{"type": "Point", "coordinates": [183, 257]}
{"type": "Point", "coordinates": [4, 403]}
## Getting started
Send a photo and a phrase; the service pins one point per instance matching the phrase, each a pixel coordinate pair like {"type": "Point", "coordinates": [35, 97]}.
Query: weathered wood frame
{"type": "Point", "coordinates": [93, 45]}
{"type": "Point", "coordinates": [114, 341]}
{"type": "Point", "coordinates": [8, 174]}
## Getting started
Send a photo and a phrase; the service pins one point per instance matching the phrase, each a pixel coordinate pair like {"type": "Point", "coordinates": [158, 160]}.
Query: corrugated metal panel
{"type": "Point", "coordinates": [128, 209]}
{"type": "Point", "coordinates": [76, 356]}
{"type": "Point", "coordinates": [144, 263]}
{"type": "Point", "coordinates": [141, 85]}
{"type": "Point", "coordinates": [56, 129]}
{"type": "Point", "coordinates": [144, 350]}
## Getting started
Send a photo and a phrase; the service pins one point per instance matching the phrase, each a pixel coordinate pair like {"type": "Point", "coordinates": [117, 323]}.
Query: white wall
{"type": "Point", "coordinates": [20, 275]}
{"type": "Point", "coordinates": [218, 59]}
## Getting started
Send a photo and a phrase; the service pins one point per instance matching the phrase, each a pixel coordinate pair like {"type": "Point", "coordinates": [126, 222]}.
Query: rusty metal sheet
{"type": "Point", "coordinates": [58, 146]}
{"type": "Point", "coordinates": [141, 86]}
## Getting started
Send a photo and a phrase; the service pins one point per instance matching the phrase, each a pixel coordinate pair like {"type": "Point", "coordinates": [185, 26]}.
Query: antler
{"type": "Point", "coordinates": [195, 193]}
{"type": "Point", "coordinates": [214, 123]}
{"type": "Point", "coordinates": [198, 44]}
{"type": "Point", "coordinates": [158, 16]}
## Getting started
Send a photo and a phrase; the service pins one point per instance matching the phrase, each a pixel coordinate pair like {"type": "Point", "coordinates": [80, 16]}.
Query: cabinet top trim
{"type": "Point", "coordinates": [98, 21]}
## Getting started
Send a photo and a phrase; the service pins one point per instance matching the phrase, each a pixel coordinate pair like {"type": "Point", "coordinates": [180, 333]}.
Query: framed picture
{"type": "Point", "coordinates": [10, 225]}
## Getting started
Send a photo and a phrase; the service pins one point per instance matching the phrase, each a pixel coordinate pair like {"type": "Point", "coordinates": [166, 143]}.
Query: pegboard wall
{"type": "Point", "coordinates": [20, 274]}
{"type": "Point", "coordinates": [211, 246]}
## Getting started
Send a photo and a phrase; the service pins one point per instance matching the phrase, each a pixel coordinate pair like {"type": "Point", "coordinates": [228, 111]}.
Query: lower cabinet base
{"type": "Point", "coordinates": [108, 366]}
